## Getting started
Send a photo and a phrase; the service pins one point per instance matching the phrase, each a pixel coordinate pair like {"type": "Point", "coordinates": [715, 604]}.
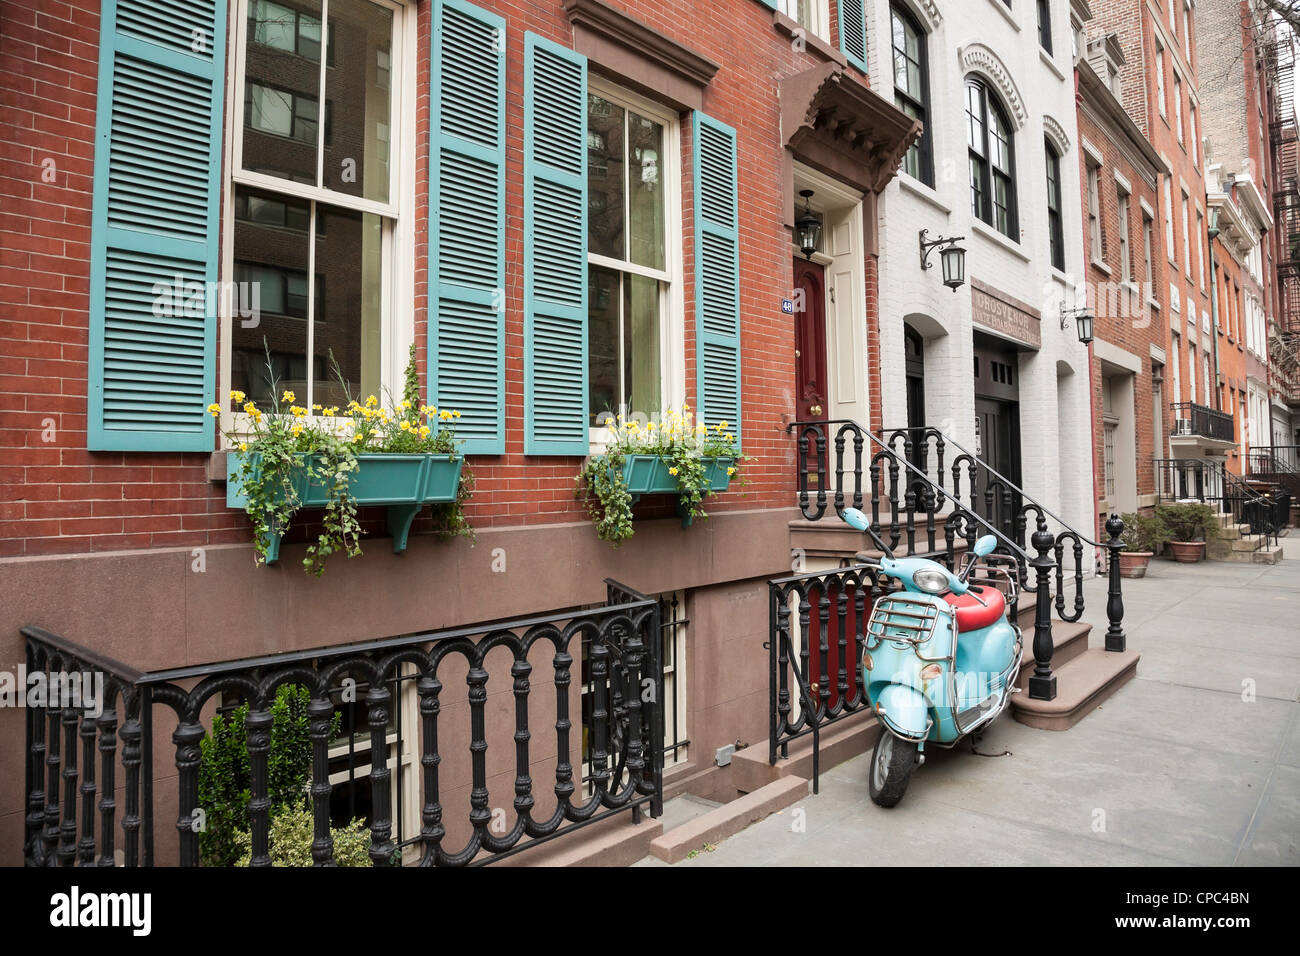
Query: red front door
{"type": "Point", "coordinates": [810, 341]}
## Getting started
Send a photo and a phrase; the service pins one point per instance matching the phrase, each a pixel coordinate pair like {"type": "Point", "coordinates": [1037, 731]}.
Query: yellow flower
{"type": "Point", "coordinates": [243, 446]}
{"type": "Point", "coordinates": [730, 437]}
{"type": "Point", "coordinates": [406, 403]}
{"type": "Point", "coordinates": [444, 415]}
{"type": "Point", "coordinates": [332, 411]}
{"type": "Point", "coordinates": [249, 408]}
{"type": "Point", "coordinates": [297, 430]}
{"type": "Point", "coordinates": [424, 431]}
{"type": "Point", "coordinates": [214, 409]}
{"type": "Point", "coordinates": [357, 437]}
{"type": "Point", "coordinates": [237, 396]}
{"type": "Point", "coordinates": [288, 396]}
{"type": "Point", "coordinates": [730, 472]}
{"type": "Point", "coordinates": [672, 471]}
{"type": "Point", "coordinates": [455, 413]}
{"type": "Point", "coordinates": [317, 408]}
{"type": "Point", "coordinates": [406, 426]}
{"type": "Point", "coordinates": [371, 401]}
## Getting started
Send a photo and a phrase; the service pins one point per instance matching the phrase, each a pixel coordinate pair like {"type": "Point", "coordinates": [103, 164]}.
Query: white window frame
{"type": "Point", "coordinates": [397, 284]}
{"type": "Point", "coordinates": [821, 16]}
{"type": "Point", "coordinates": [1191, 122]}
{"type": "Point", "coordinates": [1169, 218]}
{"type": "Point", "coordinates": [1178, 106]}
{"type": "Point", "coordinates": [1095, 232]}
{"type": "Point", "coordinates": [672, 304]}
{"type": "Point", "coordinates": [1187, 234]}
{"type": "Point", "coordinates": [1200, 246]}
{"type": "Point", "coordinates": [1148, 240]}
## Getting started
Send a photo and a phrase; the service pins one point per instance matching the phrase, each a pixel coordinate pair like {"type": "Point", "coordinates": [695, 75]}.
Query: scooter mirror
{"type": "Point", "coordinates": [985, 545]}
{"type": "Point", "coordinates": [855, 519]}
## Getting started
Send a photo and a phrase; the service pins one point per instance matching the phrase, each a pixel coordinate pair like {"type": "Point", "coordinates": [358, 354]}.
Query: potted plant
{"type": "Point", "coordinates": [402, 455]}
{"type": "Point", "coordinates": [1142, 536]}
{"type": "Point", "coordinates": [1189, 524]}
{"type": "Point", "coordinates": [676, 456]}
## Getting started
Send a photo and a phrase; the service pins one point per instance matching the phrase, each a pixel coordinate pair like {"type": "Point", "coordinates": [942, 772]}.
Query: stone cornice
{"type": "Point", "coordinates": [978, 58]}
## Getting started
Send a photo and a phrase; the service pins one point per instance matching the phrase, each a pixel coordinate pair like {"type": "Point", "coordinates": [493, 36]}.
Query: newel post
{"type": "Point", "coordinates": [1115, 639]}
{"type": "Point", "coordinates": [1042, 683]}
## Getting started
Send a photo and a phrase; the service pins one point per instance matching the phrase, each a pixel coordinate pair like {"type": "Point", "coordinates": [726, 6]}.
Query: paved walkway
{"type": "Point", "coordinates": [1179, 767]}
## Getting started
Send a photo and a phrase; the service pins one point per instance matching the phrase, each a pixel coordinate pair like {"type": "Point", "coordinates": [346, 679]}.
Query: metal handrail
{"type": "Point", "coordinates": [1004, 479]}
{"type": "Point", "coordinates": [916, 471]}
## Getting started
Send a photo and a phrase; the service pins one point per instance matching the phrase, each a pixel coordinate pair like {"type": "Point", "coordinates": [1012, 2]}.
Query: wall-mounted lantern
{"type": "Point", "coordinates": [952, 258]}
{"type": "Point", "coordinates": [808, 227]}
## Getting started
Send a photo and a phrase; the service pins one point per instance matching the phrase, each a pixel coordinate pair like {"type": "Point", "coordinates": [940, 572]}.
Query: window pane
{"type": "Point", "coordinates": [974, 119]}
{"type": "Point", "coordinates": [349, 271]}
{"type": "Point", "coordinates": [605, 177]}
{"type": "Point", "coordinates": [977, 202]}
{"type": "Point", "coordinates": [603, 300]}
{"type": "Point", "coordinates": [357, 98]}
{"type": "Point", "coordinates": [641, 344]}
{"type": "Point", "coordinates": [646, 191]}
{"type": "Point", "coordinates": [282, 91]}
{"type": "Point", "coordinates": [265, 258]}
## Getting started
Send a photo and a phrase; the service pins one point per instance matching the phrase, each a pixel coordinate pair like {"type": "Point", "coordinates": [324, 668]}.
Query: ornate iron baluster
{"type": "Point", "coordinates": [431, 829]}
{"type": "Point", "coordinates": [258, 726]}
{"type": "Point", "coordinates": [320, 718]}
{"type": "Point", "coordinates": [68, 825]}
{"type": "Point", "coordinates": [1115, 638]}
{"type": "Point", "coordinates": [131, 734]}
{"type": "Point", "coordinates": [1042, 683]}
{"type": "Point", "coordinates": [379, 701]}
{"type": "Point", "coordinates": [35, 720]}
{"type": "Point", "coordinates": [187, 737]}
{"type": "Point", "coordinates": [86, 848]}
{"type": "Point", "coordinates": [520, 671]}
{"type": "Point", "coordinates": [53, 763]}
{"type": "Point", "coordinates": [107, 799]}
{"type": "Point", "coordinates": [842, 642]}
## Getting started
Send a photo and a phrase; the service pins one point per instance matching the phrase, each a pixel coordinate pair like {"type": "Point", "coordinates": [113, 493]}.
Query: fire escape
{"type": "Point", "coordinates": [1279, 55]}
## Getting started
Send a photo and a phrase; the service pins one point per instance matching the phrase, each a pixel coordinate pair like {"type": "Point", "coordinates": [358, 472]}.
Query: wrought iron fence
{"type": "Point", "coordinates": [617, 648]}
{"type": "Point", "coordinates": [1202, 421]}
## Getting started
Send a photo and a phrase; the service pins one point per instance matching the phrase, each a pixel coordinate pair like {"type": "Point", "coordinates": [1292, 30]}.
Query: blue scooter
{"type": "Point", "coordinates": [939, 658]}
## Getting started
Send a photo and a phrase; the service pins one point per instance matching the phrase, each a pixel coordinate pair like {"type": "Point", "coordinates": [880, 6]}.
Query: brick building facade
{"type": "Point", "coordinates": [126, 497]}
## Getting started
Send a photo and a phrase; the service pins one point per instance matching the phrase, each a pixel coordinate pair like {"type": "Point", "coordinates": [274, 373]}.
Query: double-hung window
{"type": "Point", "coordinates": [1121, 209]}
{"type": "Point", "coordinates": [1045, 25]}
{"type": "Point", "coordinates": [911, 89]}
{"type": "Point", "coordinates": [1096, 236]}
{"type": "Point", "coordinates": [812, 15]}
{"type": "Point", "coordinates": [1169, 218]}
{"type": "Point", "coordinates": [1055, 228]}
{"type": "Point", "coordinates": [316, 190]}
{"type": "Point", "coordinates": [1178, 107]}
{"type": "Point", "coordinates": [632, 255]}
{"type": "Point", "coordinates": [1187, 236]}
{"type": "Point", "coordinates": [990, 149]}
{"type": "Point", "coordinates": [1160, 80]}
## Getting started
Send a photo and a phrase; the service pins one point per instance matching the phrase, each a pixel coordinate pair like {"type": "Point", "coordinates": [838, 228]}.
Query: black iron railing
{"type": "Point", "coordinates": [884, 480]}
{"type": "Point", "coordinates": [1000, 501]}
{"type": "Point", "coordinates": [1207, 480]}
{"type": "Point", "coordinates": [616, 649]}
{"type": "Point", "coordinates": [1278, 465]}
{"type": "Point", "coordinates": [1201, 421]}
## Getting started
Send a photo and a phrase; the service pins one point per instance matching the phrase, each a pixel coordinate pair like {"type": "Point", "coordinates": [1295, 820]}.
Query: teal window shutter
{"type": "Point", "coordinates": [555, 249]}
{"type": "Point", "coordinates": [768, 3]}
{"type": "Point", "coordinates": [717, 275]}
{"type": "Point", "coordinates": [467, 205]}
{"type": "Point", "coordinates": [154, 233]}
{"type": "Point", "coordinates": [853, 32]}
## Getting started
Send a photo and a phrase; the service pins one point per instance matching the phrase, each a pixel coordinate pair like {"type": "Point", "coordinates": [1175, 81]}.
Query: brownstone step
{"type": "Point", "coordinates": [1082, 684]}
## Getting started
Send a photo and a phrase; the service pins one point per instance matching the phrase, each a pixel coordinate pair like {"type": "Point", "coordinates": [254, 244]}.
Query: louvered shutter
{"type": "Point", "coordinates": [555, 249]}
{"type": "Point", "coordinates": [853, 32]}
{"type": "Point", "coordinates": [717, 274]}
{"type": "Point", "coordinates": [467, 259]}
{"type": "Point", "coordinates": [155, 226]}
{"type": "Point", "coordinates": [768, 3]}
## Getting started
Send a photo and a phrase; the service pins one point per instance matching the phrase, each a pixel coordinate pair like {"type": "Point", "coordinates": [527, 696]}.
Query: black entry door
{"type": "Point", "coordinates": [997, 412]}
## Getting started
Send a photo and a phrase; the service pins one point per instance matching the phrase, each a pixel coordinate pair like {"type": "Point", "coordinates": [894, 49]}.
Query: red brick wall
{"type": "Point", "coordinates": [57, 497]}
{"type": "Point", "coordinates": [1115, 320]}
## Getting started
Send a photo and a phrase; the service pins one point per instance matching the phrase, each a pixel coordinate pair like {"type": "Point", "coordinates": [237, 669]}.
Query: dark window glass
{"type": "Point", "coordinates": [911, 90]}
{"type": "Point", "coordinates": [992, 160]}
{"type": "Point", "coordinates": [1056, 234]}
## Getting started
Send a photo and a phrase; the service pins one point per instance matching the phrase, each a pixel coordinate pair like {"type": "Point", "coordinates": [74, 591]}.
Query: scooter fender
{"type": "Point", "coordinates": [904, 710]}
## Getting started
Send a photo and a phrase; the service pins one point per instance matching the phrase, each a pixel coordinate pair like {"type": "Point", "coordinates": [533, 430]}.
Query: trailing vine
{"type": "Point", "coordinates": [287, 451]}
{"type": "Point", "coordinates": [686, 447]}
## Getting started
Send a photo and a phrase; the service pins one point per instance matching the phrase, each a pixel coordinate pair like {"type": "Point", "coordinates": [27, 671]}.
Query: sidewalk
{"type": "Point", "coordinates": [1175, 769]}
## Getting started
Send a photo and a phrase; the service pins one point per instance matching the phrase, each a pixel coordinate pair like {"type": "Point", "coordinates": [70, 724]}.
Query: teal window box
{"type": "Point", "coordinates": [648, 475]}
{"type": "Point", "coordinates": [403, 483]}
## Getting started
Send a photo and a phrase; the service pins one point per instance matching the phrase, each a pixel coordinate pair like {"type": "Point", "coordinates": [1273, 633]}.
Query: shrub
{"type": "Point", "coordinates": [1188, 521]}
{"type": "Point", "coordinates": [292, 832]}
{"type": "Point", "coordinates": [224, 775]}
{"type": "Point", "coordinates": [1143, 532]}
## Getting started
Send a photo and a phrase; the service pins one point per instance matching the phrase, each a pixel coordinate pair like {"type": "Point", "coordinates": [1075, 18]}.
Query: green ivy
{"type": "Point", "coordinates": [291, 837]}
{"type": "Point", "coordinates": [609, 504]}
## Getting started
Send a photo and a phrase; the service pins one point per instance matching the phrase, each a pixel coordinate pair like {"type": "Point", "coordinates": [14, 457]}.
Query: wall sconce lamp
{"type": "Point", "coordinates": [808, 227]}
{"type": "Point", "coordinates": [952, 258]}
{"type": "Point", "coordinates": [1083, 319]}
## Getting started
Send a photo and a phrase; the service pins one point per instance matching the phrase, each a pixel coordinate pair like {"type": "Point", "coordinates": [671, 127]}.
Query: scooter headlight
{"type": "Point", "coordinates": [931, 581]}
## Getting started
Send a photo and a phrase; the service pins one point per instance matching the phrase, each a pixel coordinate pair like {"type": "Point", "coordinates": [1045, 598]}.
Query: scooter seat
{"type": "Point", "coordinates": [971, 614]}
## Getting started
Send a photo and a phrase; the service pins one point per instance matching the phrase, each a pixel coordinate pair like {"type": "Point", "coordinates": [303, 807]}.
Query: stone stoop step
{"type": "Point", "coordinates": [729, 819]}
{"type": "Point", "coordinates": [616, 841]}
{"type": "Point", "coordinates": [1082, 684]}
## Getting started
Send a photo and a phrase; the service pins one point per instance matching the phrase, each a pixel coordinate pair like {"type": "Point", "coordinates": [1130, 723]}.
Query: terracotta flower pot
{"type": "Point", "coordinates": [1133, 564]}
{"type": "Point", "coordinates": [1188, 552]}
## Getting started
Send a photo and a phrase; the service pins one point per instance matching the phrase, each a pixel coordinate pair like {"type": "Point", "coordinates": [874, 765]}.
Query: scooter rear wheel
{"type": "Point", "coordinates": [892, 763]}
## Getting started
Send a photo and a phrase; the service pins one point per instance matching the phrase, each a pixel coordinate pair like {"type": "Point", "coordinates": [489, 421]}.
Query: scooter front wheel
{"type": "Point", "coordinates": [892, 763]}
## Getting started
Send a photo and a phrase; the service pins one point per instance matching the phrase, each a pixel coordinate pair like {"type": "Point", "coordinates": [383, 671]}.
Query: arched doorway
{"type": "Point", "coordinates": [914, 368]}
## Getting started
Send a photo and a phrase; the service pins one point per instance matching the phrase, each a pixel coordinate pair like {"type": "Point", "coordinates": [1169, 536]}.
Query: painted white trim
{"type": "Point", "coordinates": [1123, 181]}
{"type": "Point", "coordinates": [1117, 356]}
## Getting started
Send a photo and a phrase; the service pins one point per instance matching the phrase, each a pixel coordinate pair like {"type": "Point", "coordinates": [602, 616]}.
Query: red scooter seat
{"type": "Point", "coordinates": [971, 614]}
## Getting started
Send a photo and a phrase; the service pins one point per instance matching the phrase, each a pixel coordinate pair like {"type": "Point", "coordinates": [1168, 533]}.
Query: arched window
{"type": "Point", "coordinates": [992, 159]}
{"type": "Point", "coordinates": [912, 88]}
